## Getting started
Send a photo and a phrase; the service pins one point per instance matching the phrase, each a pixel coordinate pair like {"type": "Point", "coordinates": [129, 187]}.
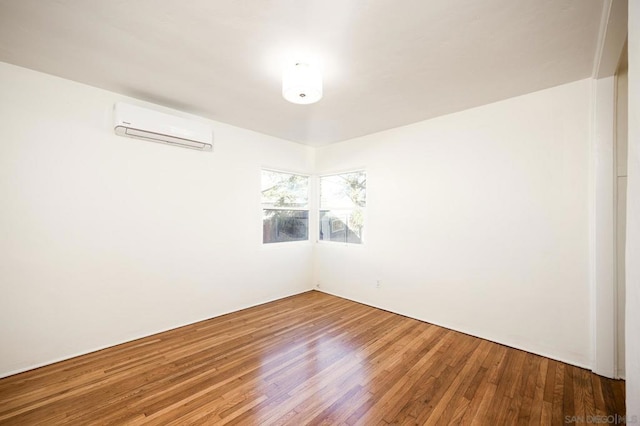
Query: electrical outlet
{"type": "Point", "coordinates": [318, 284]}
{"type": "Point", "coordinates": [378, 283]}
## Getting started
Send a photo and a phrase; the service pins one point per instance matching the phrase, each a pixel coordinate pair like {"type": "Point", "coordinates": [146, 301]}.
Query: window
{"type": "Point", "coordinates": [343, 199]}
{"type": "Point", "coordinates": [285, 207]}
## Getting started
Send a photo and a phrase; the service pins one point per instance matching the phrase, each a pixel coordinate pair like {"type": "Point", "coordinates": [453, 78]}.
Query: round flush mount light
{"type": "Point", "coordinates": [301, 83]}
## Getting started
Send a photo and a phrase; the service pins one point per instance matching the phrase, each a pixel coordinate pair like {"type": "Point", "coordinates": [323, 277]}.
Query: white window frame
{"type": "Point", "coordinates": [321, 208]}
{"type": "Point", "coordinates": [307, 209]}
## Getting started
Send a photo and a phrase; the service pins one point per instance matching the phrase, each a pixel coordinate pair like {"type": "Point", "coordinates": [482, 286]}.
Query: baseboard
{"type": "Point", "coordinates": [133, 339]}
{"type": "Point", "coordinates": [494, 340]}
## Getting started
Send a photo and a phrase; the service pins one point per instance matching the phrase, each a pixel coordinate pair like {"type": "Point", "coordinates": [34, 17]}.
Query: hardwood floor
{"type": "Point", "coordinates": [305, 360]}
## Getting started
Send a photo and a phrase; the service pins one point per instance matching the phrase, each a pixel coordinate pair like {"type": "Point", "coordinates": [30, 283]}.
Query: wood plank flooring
{"type": "Point", "coordinates": [306, 360]}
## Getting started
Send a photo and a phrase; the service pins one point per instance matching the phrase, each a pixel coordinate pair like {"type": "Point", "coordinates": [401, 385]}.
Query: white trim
{"type": "Point", "coordinates": [340, 244]}
{"type": "Point", "coordinates": [298, 209]}
{"type": "Point", "coordinates": [616, 354]}
{"type": "Point", "coordinates": [602, 187]}
{"type": "Point", "coordinates": [490, 339]}
{"type": "Point", "coordinates": [138, 337]}
{"type": "Point", "coordinates": [344, 172]}
{"type": "Point", "coordinates": [611, 38]}
{"type": "Point", "coordinates": [602, 36]}
{"type": "Point", "coordinates": [592, 223]}
{"type": "Point", "coordinates": [288, 172]}
{"type": "Point", "coordinates": [632, 319]}
{"type": "Point", "coordinates": [283, 244]}
{"type": "Point", "coordinates": [301, 209]}
{"type": "Point", "coordinates": [320, 207]}
{"type": "Point", "coordinates": [604, 317]}
{"type": "Point", "coordinates": [619, 369]}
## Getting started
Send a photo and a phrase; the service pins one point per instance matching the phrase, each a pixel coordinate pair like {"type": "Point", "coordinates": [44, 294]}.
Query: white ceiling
{"type": "Point", "coordinates": [386, 63]}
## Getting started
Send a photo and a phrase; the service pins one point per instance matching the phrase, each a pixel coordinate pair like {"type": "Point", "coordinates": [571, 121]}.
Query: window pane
{"type": "Point", "coordinates": [342, 225]}
{"type": "Point", "coordinates": [285, 225]}
{"type": "Point", "coordinates": [342, 201]}
{"type": "Point", "coordinates": [344, 191]}
{"type": "Point", "coordinates": [284, 190]}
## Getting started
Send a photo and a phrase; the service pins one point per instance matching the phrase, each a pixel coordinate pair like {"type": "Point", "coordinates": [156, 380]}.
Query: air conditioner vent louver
{"type": "Point", "coordinates": [154, 126]}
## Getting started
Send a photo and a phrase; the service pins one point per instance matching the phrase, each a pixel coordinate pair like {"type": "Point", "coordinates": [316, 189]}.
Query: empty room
{"type": "Point", "coordinates": [338, 212]}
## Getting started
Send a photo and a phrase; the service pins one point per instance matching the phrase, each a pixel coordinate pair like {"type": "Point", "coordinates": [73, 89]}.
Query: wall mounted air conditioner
{"type": "Point", "coordinates": [142, 123]}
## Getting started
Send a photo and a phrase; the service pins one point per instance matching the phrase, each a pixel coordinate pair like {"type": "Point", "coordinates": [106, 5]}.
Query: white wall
{"type": "Point", "coordinates": [632, 342]}
{"type": "Point", "coordinates": [477, 221]}
{"type": "Point", "coordinates": [620, 176]}
{"type": "Point", "coordinates": [104, 239]}
{"type": "Point", "coordinates": [603, 220]}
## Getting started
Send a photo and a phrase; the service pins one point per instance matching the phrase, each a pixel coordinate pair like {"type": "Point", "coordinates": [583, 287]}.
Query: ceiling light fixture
{"type": "Point", "coordinates": [301, 83]}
